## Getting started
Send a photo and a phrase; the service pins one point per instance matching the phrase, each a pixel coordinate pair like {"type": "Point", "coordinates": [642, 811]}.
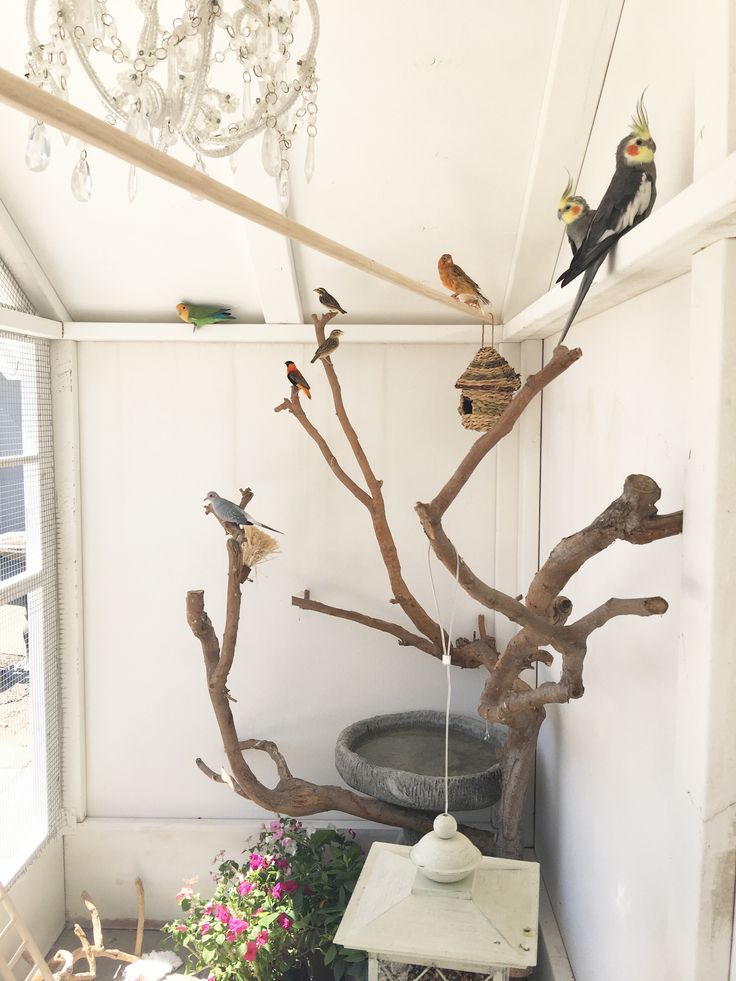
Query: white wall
{"type": "Point", "coordinates": [163, 424]}
{"type": "Point", "coordinates": [605, 766]}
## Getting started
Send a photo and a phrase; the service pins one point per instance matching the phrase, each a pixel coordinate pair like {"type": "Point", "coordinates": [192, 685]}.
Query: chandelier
{"type": "Point", "coordinates": [218, 74]}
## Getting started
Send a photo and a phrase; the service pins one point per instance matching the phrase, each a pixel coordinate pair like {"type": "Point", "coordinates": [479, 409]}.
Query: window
{"type": "Point", "coordinates": [30, 765]}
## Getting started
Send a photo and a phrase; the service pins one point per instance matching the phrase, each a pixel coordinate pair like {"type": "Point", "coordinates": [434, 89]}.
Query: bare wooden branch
{"type": "Point", "coordinates": [648, 607]}
{"type": "Point", "coordinates": [140, 903]}
{"type": "Point", "coordinates": [631, 517]}
{"type": "Point", "coordinates": [295, 407]}
{"type": "Point", "coordinates": [373, 500]}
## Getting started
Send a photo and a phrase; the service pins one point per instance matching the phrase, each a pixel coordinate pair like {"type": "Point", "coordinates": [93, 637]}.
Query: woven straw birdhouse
{"type": "Point", "coordinates": [486, 387]}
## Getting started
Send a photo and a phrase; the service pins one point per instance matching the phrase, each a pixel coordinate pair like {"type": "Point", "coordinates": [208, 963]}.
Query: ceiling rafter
{"type": "Point", "coordinates": [586, 32]}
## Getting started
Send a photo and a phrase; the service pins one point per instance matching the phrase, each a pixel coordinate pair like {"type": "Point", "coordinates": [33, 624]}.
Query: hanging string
{"type": "Point", "coordinates": [446, 660]}
{"type": "Point", "coordinates": [482, 333]}
{"type": "Point", "coordinates": [493, 331]}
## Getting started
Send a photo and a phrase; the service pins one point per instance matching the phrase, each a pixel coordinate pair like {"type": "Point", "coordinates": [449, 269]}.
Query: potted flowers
{"type": "Point", "coordinates": [275, 914]}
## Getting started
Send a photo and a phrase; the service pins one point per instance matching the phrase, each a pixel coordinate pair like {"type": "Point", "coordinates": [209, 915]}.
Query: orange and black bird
{"type": "Point", "coordinates": [458, 282]}
{"type": "Point", "coordinates": [297, 379]}
{"type": "Point", "coordinates": [328, 300]}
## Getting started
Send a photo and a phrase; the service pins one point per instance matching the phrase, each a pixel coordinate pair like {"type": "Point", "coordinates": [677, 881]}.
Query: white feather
{"type": "Point", "coordinates": [638, 205]}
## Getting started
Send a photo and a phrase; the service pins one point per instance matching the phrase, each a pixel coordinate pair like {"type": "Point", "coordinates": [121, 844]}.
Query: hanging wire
{"type": "Point", "coordinates": [446, 660]}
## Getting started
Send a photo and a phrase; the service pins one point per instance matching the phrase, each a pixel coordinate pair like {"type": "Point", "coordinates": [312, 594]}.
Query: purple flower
{"type": "Point", "coordinates": [282, 863]}
{"type": "Point", "coordinates": [205, 927]}
{"type": "Point", "coordinates": [244, 887]}
{"type": "Point", "coordinates": [277, 890]}
{"type": "Point", "coordinates": [283, 921]}
{"type": "Point", "coordinates": [290, 887]}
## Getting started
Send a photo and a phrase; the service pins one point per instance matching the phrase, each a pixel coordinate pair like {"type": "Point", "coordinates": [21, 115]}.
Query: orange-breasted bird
{"type": "Point", "coordinates": [328, 300]}
{"type": "Point", "coordinates": [297, 378]}
{"type": "Point", "coordinates": [458, 282]}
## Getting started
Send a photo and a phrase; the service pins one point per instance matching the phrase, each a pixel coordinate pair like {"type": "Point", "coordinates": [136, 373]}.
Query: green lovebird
{"type": "Point", "coordinates": [201, 316]}
{"type": "Point", "coordinates": [627, 202]}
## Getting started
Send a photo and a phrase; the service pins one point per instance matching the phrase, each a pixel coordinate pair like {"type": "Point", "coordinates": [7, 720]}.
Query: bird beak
{"type": "Point", "coordinates": [315, 291]}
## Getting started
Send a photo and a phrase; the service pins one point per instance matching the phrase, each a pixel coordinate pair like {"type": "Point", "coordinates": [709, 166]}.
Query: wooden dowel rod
{"type": "Point", "coordinates": [37, 104]}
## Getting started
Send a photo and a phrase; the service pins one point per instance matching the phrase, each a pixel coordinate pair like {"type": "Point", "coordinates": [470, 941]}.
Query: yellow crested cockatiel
{"type": "Point", "coordinates": [628, 200]}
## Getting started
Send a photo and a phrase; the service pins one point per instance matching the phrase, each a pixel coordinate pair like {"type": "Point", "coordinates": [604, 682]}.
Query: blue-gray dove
{"type": "Point", "coordinates": [227, 511]}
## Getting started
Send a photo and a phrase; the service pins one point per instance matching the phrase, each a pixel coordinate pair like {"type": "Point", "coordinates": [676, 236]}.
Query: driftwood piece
{"type": "Point", "coordinates": [542, 616]}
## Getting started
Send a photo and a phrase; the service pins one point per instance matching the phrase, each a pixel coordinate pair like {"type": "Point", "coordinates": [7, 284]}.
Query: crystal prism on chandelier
{"type": "Point", "coordinates": [210, 74]}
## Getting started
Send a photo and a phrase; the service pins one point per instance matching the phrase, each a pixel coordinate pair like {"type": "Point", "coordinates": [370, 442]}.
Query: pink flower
{"type": "Point", "coordinates": [205, 927]}
{"type": "Point", "coordinates": [210, 977]}
{"type": "Point", "coordinates": [237, 925]}
{"type": "Point", "coordinates": [275, 826]}
{"type": "Point", "coordinates": [181, 928]}
{"type": "Point", "coordinates": [207, 912]}
{"type": "Point", "coordinates": [250, 951]}
{"type": "Point", "coordinates": [257, 861]}
{"type": "Point", "coordinates": [290, 887]}
{"type": "Point", "coordinates": [277, 890]}
{"type": "Point", "coordinates": [283, 921]}
{"type": "Point", "coordinates": [282, 863]}
{"type": "Point", "coordinates": [262, 938]}
{"type": "Point", "coordinates": [185, 893]}
{"type": "Point", "coordinates": [222, 913]}
{"type": "Point", "coordinates": [244, 887]}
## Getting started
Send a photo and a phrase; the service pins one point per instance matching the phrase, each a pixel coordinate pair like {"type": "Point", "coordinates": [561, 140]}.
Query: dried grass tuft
{"type": "Point", "coordinates": [258, 546]}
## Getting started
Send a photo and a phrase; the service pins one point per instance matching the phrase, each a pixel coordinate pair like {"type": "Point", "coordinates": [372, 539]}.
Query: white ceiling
{"type": "Point", "coordinates": [427, 119]}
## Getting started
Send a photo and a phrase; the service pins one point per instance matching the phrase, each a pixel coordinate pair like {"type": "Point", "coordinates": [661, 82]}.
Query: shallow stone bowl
{"type": "Point", "coordinates": [400, 759]}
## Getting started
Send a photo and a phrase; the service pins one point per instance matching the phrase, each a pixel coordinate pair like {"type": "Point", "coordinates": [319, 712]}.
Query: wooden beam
{"type": "Point", "coordinates": [272, 333]}
{"type": "Point", "coordinates": [660, 249]}
{"type": "Point", "coordinates": [589, 30]}
{"type": "Point", "coordinates": [26, 98]}
{"type": "Point", "coordinates": [270, 254]}
{"type": "Point", "coordinates": [27, 323]}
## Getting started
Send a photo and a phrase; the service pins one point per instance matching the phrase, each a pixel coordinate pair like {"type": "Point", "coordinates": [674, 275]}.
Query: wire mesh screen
{"type": "Point", "coordinates": [30, 726]}
{"type": "Point", "coordinates": [11, 295]}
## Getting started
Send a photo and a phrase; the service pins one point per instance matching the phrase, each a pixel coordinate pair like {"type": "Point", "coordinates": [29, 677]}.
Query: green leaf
{"type": "Point", "coordinates": [331, 954]}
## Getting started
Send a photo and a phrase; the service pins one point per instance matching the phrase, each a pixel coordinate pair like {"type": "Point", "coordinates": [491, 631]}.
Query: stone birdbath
{"type": "Point", "coordinates": [400, 759]}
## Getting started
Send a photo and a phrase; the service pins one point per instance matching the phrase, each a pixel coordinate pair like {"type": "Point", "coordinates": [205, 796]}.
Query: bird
{"type": "Point", "coordinates": [328, 300]}
{"type": "Point", "coordinates": [200, 316]}
{"type": "Point", "coordinates": [456, 280]}
{"type": "Point", "coordinates": [577, 215]}
{"type": "Point", "coordinates": [328, 346]}
{"type": "Point", "coordinates": [297, 378]}
{"type": "Point", "coordinates": [628, 200]}
{"type": "Point", "coordinates": [228, 511]}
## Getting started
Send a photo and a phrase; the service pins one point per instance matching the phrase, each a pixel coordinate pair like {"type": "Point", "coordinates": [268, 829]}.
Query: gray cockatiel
{"type": "Point", "coordinates": [227, 511]}
{"type": "Point", "coordinates": [627, 202]}
{"type": "Point", "coordinates": [576, 214]}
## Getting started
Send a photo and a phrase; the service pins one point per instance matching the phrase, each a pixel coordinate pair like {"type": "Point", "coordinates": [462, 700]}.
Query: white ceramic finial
{"type": "Point", "coordinates": [445, 855]}
{"type": "Point", "coordinates": [445, 825]}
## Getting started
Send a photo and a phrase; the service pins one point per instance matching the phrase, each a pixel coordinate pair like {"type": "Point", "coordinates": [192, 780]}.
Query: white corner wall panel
{"type": "Point", "coordinates": [605, 762]}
